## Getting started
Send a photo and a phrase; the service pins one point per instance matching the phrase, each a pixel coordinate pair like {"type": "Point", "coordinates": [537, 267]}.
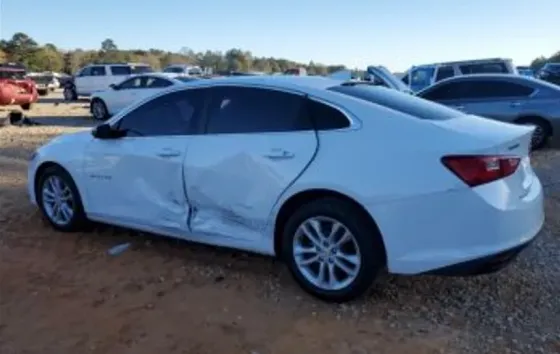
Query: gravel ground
{"type": "Point", "coordinates": [61, 293]}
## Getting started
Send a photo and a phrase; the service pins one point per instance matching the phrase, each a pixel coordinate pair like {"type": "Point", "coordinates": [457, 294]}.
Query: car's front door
{"type": "Point", "coordinates": [125, 93]}
{"type": "Point", "coordinates": [83, 81]}
{"type": "Point", "coordinates": [138, 179]}
{"type": "Point", "coordinates": [257, 143]}
{"type": "Point", "coordinates": [99, 77]}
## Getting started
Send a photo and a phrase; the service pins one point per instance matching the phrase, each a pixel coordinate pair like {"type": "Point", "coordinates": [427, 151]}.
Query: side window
{"type": "Point", "coordinates": [134, 83]}
{"type": "Point", "coordinates": [326, 117]}
{"type": "Point", "coordinates": [447, 91]}
{"type": "Point", "coordinates": [98, 71]}
{"type": "Point", "coordinates": [85, 72]}
{"type": "Point", "coordinates": [254, 110]}
{"type": "Point", "coordinates": [174, 69]}
{"type": "Point", "coordinates": [497, 89]}
{"type": "Point", "coordinates": [121, 70]}
{"type": "Point", "coordinates": [156, 82]}
{"type": "Point", "coordinates": [444, 72]}
{"type": "Point", "coordinates": [483, 68]}
{"type": "Point", "coordinates": [175, 113]}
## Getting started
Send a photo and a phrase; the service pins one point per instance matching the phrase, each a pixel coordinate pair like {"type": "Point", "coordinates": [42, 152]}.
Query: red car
{"type": "Point", "coordinates": [15, 88]}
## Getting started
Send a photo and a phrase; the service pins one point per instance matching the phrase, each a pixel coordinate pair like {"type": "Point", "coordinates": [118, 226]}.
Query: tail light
{"type": "Point", "coordinates": [478, 170]}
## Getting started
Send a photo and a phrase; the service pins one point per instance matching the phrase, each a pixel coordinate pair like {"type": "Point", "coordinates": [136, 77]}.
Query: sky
{"type": "Point", "coordinates": [356, 33]}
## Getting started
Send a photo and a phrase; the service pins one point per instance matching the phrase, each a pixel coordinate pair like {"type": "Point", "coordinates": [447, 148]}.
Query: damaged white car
{"type": "Point", "coordinates": [343, 181]}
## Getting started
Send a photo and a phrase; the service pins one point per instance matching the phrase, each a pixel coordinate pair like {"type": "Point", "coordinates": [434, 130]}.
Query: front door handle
{"type": "Point", "coordinates": [515, 104]}
{"type": "Point", "coordinates": [461, 108]}
{"type": "Point", "coordinates": [279, 154]}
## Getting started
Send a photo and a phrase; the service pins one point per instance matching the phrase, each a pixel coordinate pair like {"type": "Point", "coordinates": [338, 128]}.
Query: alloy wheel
{"type": "Point", "coordinates": [58, 200]}
{"type": "Point", "coordinates": [326, 253]}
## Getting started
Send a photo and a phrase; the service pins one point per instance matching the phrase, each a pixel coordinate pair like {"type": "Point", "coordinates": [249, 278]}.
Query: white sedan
{"type": "Point", "coordinates": [341, 181]}
{"type": "Point", "coordinates": [111, 101]}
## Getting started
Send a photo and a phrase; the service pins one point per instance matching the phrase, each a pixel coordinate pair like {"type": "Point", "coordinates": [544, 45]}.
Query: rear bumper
{"type": "Point", "coordinates": [483, 265]}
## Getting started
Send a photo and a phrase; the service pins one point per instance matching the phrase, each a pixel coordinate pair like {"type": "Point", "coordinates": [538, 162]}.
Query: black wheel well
{"type": "Point", "coordinates": [40, 170]}
{"type": "Point", "coordinates": [304, 197]}
{"type": "Point", "coordinates": [526, 119]}
{"type": "Point", "coordinates": [91, 103]}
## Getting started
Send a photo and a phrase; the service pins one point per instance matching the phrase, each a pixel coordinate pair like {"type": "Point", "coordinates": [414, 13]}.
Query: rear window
{"type": "Point", "coordinates": [398, 101]}
{"type": "Point", "coordinates": [141, 69]}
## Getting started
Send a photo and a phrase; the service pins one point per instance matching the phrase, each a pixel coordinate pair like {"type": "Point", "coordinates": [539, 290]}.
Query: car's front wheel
{"type": "Point", "coordinates": [333, 249]}
{"type": "Point", "coordinates": [59, 199]}
{"type": "Point", "coordinates": [99, 110]}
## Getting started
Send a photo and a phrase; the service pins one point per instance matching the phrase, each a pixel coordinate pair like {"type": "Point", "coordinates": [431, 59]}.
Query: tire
{"type": "Point", "coordinates": [99, 110]}
{"type": "Point", "coordinates": [366, 238]}
{"type": "Point", "coordinates": [43, 92]}
{"type": "Point", "coordinates": [70, 94]}
{"type": "Point", "coordinates": [541, 134]}
{"type": "Point", "coordinates": [26, 106]}
{"type": "Point", "coordinates": [77, 221]}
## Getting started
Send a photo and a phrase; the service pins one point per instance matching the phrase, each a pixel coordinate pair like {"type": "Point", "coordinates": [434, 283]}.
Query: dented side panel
{"type": "Point", "coordinates": [138, 180]}
{"type": "Point", "coordinates": [234, 180]}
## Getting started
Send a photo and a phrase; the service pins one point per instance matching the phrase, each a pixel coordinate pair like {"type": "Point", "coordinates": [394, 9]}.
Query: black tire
{"type": "Point", "coordinates": [368, 238]}
{"type": "Point", "coordinates": [43, 92]}
{"type": "Point", "coordinates": [78, 220]}
{"type": "Point", "coordinates": [99, 110]}
{"type": "Point", "coordinates": [70, 93]}
{"type": "Point", "coordinates": [542, 131]}
{"type": "Point", "coordinates": [26, 106]}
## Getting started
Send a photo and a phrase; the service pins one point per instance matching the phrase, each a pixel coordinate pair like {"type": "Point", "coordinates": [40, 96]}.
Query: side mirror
{"type": "Point", "coordinates": [105, 131]}
{"type": "Point", "coordinates": [114, 87]}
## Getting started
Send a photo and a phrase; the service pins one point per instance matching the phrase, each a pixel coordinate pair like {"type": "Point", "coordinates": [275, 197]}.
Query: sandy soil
{"type": "Point", "coordinates": [62, 293]}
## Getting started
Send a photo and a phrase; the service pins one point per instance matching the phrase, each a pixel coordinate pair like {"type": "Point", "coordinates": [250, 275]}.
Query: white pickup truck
{"type": "Point", "coordinates": [98, 77]}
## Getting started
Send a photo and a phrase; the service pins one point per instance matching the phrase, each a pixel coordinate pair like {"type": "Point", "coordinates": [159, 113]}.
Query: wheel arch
{"type": "Point", "coordinates": [43, 167]}
{"type": "Point", "coordinates": [307, 196]}
{"type": "Point", "coordinates": [530, 118]}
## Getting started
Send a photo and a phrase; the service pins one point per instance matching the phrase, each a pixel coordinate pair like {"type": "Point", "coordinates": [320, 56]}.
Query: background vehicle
{"type": "Point", "coordinates": [44, 82]}
{"type": "Point", "coordinates": [15, 88]}
{"type": "Point", "coordinates": [97, 77]}
{"type": "Point", "coordinates": [118, 96]}
{"type": "Point", "coordinates": [550, 72]}
{"type": "Point", "coordinates": [509, 98]}
{"type": "Point", "coordinates": [525, 71]}
{"type": "Point", "coordinates": [374, 75]}
{"type": "Point", "coordinates": [184, 70]}
{"type": "Point", "coordinates": [277, 165]}
{"type": "Point", "coordinates": [296, 71]}
{"type": "Point", "coordinates": [422, 76]}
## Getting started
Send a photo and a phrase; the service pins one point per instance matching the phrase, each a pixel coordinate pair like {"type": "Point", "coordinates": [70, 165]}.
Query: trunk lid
{"type": "Point", "coordinates": [490, 137]}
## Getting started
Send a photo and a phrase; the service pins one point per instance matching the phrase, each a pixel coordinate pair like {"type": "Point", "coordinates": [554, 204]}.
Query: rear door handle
{"type": "Point", "coordinates": [279, 154]}
{"type": "Point", "coordinates": [168, 153]}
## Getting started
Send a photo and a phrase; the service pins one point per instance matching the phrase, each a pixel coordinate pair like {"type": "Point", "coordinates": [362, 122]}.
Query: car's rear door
{"type": "Point", "coordinates": [257, 142]}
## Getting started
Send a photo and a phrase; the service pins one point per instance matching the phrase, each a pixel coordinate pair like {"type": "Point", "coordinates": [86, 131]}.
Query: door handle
{"type": "Point", "coordinates": [515, 104]}
{"type": "Point", "coordinates": [168, 153]}
{"type": "Point", "coordinates": [279, 155]}
{"type": "Point", "coordinates": [461, 108]}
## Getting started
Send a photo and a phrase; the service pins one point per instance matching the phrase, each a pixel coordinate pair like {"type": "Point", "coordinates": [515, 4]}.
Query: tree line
{"type": "Point", "coordinates": [23, 49]}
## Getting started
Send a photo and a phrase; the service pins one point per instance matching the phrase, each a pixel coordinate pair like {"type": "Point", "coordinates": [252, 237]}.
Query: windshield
{"type": "Point", "coordinates": [12, 74]}
{"type": "Point", "coordinates": [142, 69]}
{"type": "Point", "coordinates": [422, 77]}
{"type": "Point", "coordinates": [398, 101]}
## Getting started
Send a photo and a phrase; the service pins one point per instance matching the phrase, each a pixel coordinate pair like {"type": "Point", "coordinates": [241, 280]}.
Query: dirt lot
{"type": "Point", "coordinates": [62, 293]}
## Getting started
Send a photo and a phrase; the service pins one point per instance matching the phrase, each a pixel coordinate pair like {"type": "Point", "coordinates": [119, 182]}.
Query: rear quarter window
{"type": "Point", "coordinates": [398, 101]}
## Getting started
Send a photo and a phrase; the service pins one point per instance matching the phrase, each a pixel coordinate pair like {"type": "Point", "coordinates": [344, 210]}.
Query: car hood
{"type": "Point", "coordinates": [81, 136]}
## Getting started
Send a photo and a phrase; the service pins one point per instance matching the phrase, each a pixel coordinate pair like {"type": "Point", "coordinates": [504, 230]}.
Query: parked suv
{"type": "Point", "coordinates": [97, 77]}
{"type": "Point", "coordinates": [422, 76]}
{"type": "Point", "coordinates": [550, 72]}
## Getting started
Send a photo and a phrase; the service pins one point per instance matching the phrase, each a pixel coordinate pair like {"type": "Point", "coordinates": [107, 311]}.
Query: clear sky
{"type": "Point", "coordinates": [394, 33]}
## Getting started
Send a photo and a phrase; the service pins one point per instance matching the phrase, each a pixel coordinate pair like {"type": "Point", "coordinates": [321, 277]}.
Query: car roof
{"type": "Point", "coordinates": [279, 81]}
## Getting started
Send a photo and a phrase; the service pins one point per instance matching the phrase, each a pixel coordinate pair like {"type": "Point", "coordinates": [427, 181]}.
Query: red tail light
{"type": "Point", "coordinates": [477, 170]}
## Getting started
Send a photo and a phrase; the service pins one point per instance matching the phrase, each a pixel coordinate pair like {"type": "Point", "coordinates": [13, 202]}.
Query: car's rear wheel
{"type": "Point", "coordinates": [70, 94]}
{"type": "Point", "coordinates": [59, 200]}
{"type": "Point", "coordinates": [540, 135]}
{"type": "Point", "coordinates": [26, 106]}
{"type": "Point", "coordinates": [99, 110]}
{"type": "Point", "coordinates": [333, 249]}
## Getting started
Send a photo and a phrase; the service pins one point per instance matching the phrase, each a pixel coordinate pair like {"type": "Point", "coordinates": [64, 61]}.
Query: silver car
{"type": "Point", "coordinates": [505, 97]}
